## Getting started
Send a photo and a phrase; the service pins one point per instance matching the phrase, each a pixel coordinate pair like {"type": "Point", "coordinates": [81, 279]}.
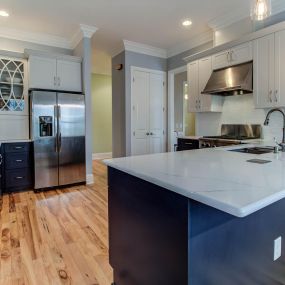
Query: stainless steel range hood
{"type": "Point", "coordinates": [234, 80]}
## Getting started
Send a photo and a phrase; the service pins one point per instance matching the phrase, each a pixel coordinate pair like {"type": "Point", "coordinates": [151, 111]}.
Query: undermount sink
{"type": "Point", "coordinates": [254, 150]}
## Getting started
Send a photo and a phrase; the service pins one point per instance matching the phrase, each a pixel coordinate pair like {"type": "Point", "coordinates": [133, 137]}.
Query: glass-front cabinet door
{"type": "Point", "coordinates": [13, 87]}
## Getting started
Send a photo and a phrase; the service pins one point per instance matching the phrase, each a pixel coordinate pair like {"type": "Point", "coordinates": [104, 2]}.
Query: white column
{"type": "Point", "coordinates": [82, 43]}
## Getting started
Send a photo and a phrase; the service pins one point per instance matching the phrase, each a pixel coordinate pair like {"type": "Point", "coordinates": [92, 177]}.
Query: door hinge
{"type": "Point", "coordinates": [163, 83]}
{"type": "Point", "coordinates": [134, 108]}
{"type": "Point", "coordinates": [133, 79]}
{"type": "Point", "coordinates": [163, 132]}
{"type": "Point", "coordinates": [163, 109]}
{"type": "Point", "coordinates": [134, 134]}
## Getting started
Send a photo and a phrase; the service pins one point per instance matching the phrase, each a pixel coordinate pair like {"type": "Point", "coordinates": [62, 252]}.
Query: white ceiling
{"type": "Point", "coordinates": [152, 22]}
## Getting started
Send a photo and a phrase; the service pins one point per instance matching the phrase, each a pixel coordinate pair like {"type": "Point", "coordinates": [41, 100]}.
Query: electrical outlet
{"type": "Point", "coordinates": [277, 248]}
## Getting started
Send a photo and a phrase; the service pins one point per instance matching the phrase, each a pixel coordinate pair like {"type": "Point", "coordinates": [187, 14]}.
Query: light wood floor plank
{"type": "Point", "coordinates": [56, 237]}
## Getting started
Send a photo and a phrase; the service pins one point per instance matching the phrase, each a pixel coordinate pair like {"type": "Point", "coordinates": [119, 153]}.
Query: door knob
{"type": "Point", "coordinates": [147, 134]}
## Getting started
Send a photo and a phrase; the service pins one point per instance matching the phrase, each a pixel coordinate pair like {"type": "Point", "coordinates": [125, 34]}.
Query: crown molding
{"type": "Point", "coordinates": [190, 44]}
{"type": "Point", "coordinates": [84, 31]}
{"type": "Point", "coordinates": [36, 38]}
{"type": "Point", "coordinates": [233, 17]}
{"type": "Point", "coordinates": [228, 19]}
{"type": "Point", "coordinates": [278, 6]}
{"type": "Point", "coordinates": [144, 49]}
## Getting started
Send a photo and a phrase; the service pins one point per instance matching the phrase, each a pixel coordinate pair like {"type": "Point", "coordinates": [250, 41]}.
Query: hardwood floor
{"type": "Point", "coordinates": [56, 237]}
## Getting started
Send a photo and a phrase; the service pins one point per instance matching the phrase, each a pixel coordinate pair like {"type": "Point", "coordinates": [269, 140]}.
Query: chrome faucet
{"type": "Point", "coordinates": [266, 123]}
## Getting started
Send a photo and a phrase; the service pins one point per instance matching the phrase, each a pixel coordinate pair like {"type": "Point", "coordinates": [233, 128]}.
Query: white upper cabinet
{"type": "Point", "coordinates": [69, 75]}
{"type": "Point", "coordinates": [236, 55]}
{"type": "Point", "coordinates": [221, 59]}
{"type": "Point", "coordinates": [55, 73]}
{"type": "Point", "coordinates": [199, 73]}
{"type": "Point", "coordinates": [42, 72]}
{"type": "Point", "coordinates": [13, 86]}
{"type": "Point", "coordinates": [269, 72]}
{"type": "Point", "coordinates": [264, 72]}
{"type": "Point", "coordinates": [193, 86]}
{"type": "Point", "coordinates": [279, 91]}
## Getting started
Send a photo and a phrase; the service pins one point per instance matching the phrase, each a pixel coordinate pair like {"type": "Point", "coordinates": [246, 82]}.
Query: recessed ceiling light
{"type": "Point", "coordinates": [187, 23]}
{"type": "Point", "coordinates": [4, 13]}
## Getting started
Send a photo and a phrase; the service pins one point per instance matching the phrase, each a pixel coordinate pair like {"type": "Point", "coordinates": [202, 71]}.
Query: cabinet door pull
{"type": "Point", "coordinates": [270, 96]}
{"type": "Point", "coordinates": [18, 147]}
{"type": "Point", "coordinates": [19, 160]}
{"type": "Point", "coordinates": [54, 81]}
{"type": "Point", "coordinates": [19, 177]}
{"type": "Point", "coordinates": [231, 55]}
{"type": "Point", "coordinates": [275, 94]}
{"type": "Point", "coordinates": [58, 81]}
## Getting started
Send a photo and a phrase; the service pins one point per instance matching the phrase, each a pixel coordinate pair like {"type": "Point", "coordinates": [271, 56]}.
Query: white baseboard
{"type": "Point", "coordinates": [89, 179]}
{"type": "Point", "coordinates": [99, 156]}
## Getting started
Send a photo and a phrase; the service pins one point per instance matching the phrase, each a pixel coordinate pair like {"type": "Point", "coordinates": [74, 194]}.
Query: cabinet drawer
{"type": "Point", "coordinates": [17, 147]}
{"type": "Point", "coordinates": [18, 178]}
{"type": "Point", "coordinates": [187, 144]}
{"type": "Point", "coordinates": [17, 160]}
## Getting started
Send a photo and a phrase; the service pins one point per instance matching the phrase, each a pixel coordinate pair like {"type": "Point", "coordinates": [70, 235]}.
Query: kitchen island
{"type": "Point", "coordinates": [202, 217]}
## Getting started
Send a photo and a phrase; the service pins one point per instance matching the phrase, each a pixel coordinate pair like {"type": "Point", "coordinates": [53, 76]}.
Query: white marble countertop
{"type": "Point", "coordinates": [216, 177]}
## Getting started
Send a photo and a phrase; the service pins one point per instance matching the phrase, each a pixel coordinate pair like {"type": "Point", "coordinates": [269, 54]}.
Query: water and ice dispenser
{"type": "Point", "coordinates": [46, 126]}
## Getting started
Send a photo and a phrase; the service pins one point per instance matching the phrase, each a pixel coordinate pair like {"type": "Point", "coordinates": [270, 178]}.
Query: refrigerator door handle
{"type": "Point", "coordinates": [59, 142]}
{"type": "Point", "coordinates": [55, 123]}
{"type": "Point", "coordinates": [59, 131]}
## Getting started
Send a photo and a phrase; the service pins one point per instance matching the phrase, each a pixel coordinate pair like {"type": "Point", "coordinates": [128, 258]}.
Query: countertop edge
{"type": "Point", "coordinates": [237, 212]}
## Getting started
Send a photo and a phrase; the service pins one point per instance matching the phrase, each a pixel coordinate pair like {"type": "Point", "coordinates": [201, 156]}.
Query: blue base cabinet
{"type": "Point", "coordinates": [158, 237]}
{"type": "Point", "coordinates": [17, 167]}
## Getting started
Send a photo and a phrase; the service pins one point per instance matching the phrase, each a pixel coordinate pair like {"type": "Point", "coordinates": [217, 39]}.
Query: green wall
{"type": "Point", "coordinates": [102, 113]}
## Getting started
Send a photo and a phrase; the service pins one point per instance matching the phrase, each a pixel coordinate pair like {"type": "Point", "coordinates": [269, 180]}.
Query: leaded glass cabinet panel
{"type": "Point", "coordinates": [13, 90]}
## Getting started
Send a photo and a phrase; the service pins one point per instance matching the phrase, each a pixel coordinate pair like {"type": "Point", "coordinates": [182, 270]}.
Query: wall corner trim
{"type": "Point", "coordinates": [144, 49]}
{"type": "Point", "coordinates": [90, 179]}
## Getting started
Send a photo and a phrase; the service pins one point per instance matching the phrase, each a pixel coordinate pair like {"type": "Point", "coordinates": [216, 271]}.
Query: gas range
{"type": "Point", "coordinates": [231, 135]}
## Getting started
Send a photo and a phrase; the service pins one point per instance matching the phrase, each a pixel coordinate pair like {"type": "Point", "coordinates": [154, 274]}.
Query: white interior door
{"type": "Point", "coordinates": [148, 113]}
{"type": "Point", "coordinates": [156, 113]}
{"type": "Point", "coordinates": [140, 101]}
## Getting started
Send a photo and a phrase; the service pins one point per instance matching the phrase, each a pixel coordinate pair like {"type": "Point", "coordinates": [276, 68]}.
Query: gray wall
{"type": "Point", "coordinates": [177, 60]}
{"type": "Point", "coordinates": [20, 46]}
{"type": "Point", "coordinates": [121, 96]}
{"type": "Point", "coordinates": [118, 107]}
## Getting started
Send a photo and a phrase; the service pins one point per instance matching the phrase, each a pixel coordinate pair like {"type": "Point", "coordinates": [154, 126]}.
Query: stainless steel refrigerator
{"type": "Point", "coordinates": [58, 132]}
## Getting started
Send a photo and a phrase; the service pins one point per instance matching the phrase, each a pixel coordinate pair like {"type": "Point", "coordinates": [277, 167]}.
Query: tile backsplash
{"type": "Point", "coordinates": [239, 110]}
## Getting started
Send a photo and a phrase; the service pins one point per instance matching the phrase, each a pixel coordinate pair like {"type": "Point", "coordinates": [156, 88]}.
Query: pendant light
{"type": "Point", "coordinates": [261, 9]}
